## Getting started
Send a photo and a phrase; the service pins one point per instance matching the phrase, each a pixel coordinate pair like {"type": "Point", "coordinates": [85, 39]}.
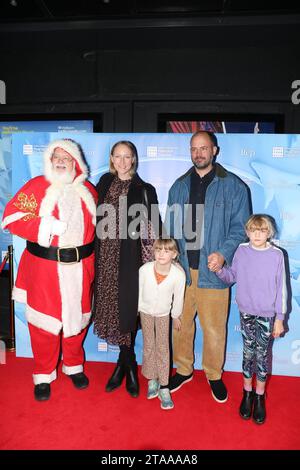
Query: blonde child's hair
{"type": "Point", "coordinates": [260, 220]}
{"type": "Point", "coordinates": [167, 243]}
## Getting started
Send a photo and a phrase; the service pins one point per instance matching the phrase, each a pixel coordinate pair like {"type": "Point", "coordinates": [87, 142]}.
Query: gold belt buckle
{"type": "Point", "coordinates": [66, 247]}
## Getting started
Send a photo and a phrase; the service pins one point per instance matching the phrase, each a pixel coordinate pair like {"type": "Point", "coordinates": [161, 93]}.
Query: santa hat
{"type": "Point", "coordinates": [73, 149]}
{"type": "Point", "coordinates": [54, 191]}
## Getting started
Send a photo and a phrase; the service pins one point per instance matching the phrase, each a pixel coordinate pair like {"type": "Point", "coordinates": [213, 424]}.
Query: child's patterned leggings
{"type": "Point", "coordinates": [256, 332]}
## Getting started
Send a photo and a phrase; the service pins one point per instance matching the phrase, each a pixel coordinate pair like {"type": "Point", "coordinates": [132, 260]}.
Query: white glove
{"type": "Point", "coordinates": [59, 227]}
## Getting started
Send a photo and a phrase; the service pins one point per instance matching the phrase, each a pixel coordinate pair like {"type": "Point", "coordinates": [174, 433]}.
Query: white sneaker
{"type": "Point", "coordinates": [165, 398]}
{"type": "Point", "coordinates": [153, 387]}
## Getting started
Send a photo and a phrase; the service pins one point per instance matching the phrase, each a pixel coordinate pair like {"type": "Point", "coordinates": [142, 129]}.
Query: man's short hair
{"type": "Point", "coordinates": [210, 135]}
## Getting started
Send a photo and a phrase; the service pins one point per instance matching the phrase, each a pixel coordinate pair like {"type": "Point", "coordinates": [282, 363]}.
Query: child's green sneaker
{"type": "Point", "coordinates": [165, 398]}
{"type": "Point", "coordinates": [153, 387]}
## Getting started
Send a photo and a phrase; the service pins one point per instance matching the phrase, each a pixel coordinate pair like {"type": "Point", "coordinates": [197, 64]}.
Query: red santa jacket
{"type": "Point", "coordinates": [56, 295]}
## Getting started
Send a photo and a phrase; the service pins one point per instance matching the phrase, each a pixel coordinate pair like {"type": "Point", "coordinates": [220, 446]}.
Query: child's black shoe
{"type": "Point", "coordinates": [246, 404]}
{"type": "Point", "coordinates": [259, 409]}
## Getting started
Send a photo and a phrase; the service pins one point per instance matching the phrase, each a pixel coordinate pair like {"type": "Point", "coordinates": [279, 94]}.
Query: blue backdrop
{"type": "Point", "coordinates": [269, 165]}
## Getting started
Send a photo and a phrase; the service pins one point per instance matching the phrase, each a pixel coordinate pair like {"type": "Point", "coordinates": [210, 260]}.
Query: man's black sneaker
{"type": "Point", "coordinates": [178, 380]}
{"type": "Point", "coordinates": [218, 390]}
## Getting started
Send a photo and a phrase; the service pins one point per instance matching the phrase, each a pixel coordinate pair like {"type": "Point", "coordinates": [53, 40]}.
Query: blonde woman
{"type": "Point", "coordinates": [118, 259]}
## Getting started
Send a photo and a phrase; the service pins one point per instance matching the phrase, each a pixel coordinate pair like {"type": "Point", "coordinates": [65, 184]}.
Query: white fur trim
{"type": "Point", "coordinates": [43, 321]}
{"type": "Point", "coordinates": [59, 227]}
{"type": "Point", "coordinates": [73, 149]}
{"type": "Point", "coordinates": [13, 218]}
{"type": "Point", "coordinates": [44, 378]}
{"type": "Point", "coordinates": [70, 210]}
{"type": "Point", "coordinates": [70, 275]}
{"type": "Point", "coordinates": [20, 295]}
{"type": "Point", "coordinates": [45, 230]}
{"type": "Point", "coordinates": [70, 282]}
{"type": "Point", "coordinates": [53, 194]}
{"type": "Point", "coordinates": [70, 370]}
{"type": "Point", "coordinates": [85, 320]}
{"type": "Point", "coordinates": [88, 199]}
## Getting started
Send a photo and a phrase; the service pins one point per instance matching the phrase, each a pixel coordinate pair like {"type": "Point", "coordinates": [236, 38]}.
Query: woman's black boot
{"type": "Point", "coordinates": [132, 384]}
{"type": "Point", "coordinates": [116, 378]}
{"type": "Point", "coordinates": [259, 409]}
{"type": "Point", "coordinates": [246, 404]}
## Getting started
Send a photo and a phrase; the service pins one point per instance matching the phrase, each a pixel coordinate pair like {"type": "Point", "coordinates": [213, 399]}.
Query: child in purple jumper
{"type": "Point", "coordinates": [259, 272]}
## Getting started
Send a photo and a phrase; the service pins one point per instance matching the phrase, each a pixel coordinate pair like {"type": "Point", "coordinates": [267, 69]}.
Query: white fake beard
{"type": "Point", "coordinates": [65, 177]}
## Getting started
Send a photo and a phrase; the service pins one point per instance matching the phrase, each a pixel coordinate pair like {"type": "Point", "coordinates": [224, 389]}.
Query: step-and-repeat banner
{"type": "Point", "coordinates": [269, 164]}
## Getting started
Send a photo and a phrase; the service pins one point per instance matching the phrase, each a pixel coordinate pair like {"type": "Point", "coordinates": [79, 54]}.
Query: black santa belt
{"type": "Point", "coordinates": [70, 254]}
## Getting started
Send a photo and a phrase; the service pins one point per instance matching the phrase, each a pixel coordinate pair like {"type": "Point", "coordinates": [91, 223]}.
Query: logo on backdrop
{"type": "Point", "coordinates": [278, 152]}
{"type": "Point", "coordinates": [27, 149]}
{"type": "Point", "coordinates": [151, 151]}
{"type": "Point", "coordinates": [102, 346]}
{"type": "Point", "coordinates": [247, 152]}
{"type": "Point", "coordinates": [290, 152]}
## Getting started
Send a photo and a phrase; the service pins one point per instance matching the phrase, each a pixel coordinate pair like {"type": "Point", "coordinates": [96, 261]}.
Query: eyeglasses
{"type": "Point", "coordinates": [256, 229]}
{"type": "Point", "coordinates": [57, 158]}
{"type": "Point", "coordinates": [204, 148]}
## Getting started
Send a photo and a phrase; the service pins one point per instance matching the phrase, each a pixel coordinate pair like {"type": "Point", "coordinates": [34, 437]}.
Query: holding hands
{"type": "Point", "coordinates": [215, 261]}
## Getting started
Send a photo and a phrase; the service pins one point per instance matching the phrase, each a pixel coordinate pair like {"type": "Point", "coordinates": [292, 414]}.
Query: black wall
{"type": "Point", "coordinates": [131, 70]}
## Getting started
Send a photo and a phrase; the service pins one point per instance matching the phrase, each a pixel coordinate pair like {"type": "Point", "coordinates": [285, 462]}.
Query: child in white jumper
{"type": "Point", "coordinates": [161, 293]}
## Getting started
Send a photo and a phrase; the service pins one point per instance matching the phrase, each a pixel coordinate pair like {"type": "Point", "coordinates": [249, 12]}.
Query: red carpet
{"type": "Point", "coordinates": [93, 419]}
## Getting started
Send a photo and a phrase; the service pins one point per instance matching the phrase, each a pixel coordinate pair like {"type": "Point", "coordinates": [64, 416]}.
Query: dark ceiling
{"type": "Point", "coordinates": [78, 10]}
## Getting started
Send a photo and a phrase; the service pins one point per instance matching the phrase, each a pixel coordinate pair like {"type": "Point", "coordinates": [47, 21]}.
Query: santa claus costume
{"type": "Point", "coordinates": [54, 282]}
